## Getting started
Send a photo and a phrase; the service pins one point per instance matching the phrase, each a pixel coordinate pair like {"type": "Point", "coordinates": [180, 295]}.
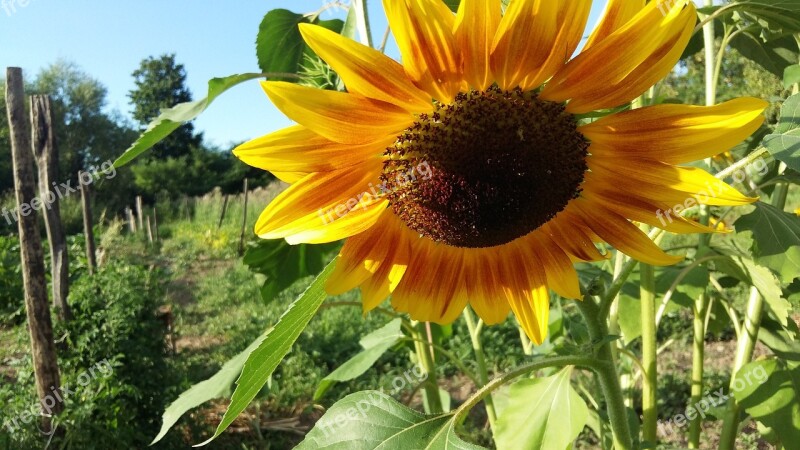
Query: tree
{"type": "Point", "coordinates": [161, 83]}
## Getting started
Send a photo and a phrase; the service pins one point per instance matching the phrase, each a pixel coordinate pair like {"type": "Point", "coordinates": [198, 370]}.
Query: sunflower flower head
{"type": "Point", "coordinates": [467, 175]}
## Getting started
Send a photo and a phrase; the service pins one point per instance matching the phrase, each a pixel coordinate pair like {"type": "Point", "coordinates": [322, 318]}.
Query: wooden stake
{"type": "Point", "coordinates": [244, 220]}
{"type": "Point", "coordinates": [40, 326]}
{"type": "Point", "coordinates": [149, 231]}
{"type": "Point", "coordinates": [155, 223]}
{"type": "Point", "coordinates": [224, 209]}
{"type": "Point", "coordinates": [46, 153]}
{"type": "Point", "coordinates": [88, 230]}
{"type": "Point", "coordinates": [131, 220]}
{"type": "Point", "coordinates": [139, 212]}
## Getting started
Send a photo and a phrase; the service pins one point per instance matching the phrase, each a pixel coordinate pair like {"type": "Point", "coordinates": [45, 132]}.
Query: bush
{"type": "Point", "coordinates": [12, 297]}
{"type": "Point", "coordinates": [114, 365]}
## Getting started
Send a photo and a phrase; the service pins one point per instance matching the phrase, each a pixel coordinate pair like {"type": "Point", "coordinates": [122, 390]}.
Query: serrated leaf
{"type": "Point", "coordinates": [791, 75]}
{"type": "Point", "coordinates": [375, 345]}
{"type": "Point", "coordinates": [263, 361]}
{"type": "Point", "coordinates": [776, 239]}
{"type": "Point", "coordinates": [284, 264]}
{"type": "Point", "coordinates": [373, 420]}
{"type": "Point", "coordinates": [784, 144]}
{"type": "Point", "coordinates": [768, 391]}
{"type": "Point", "coordinates": [218, 386]}
{"type": "Point", "coordinates": [774, 54]}
{"type": "Point", "coordinates": [543, 414]}
{"type": "Point", "coordinates": [279, 45]}
{"type": "Point", "coordinates": [171, 119]}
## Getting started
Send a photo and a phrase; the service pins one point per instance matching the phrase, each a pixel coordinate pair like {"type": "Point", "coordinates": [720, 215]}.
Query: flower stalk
{"type": "Point", "coordinates": [649, 348]}
{"type": "Point", "coordinates": [480, 359]}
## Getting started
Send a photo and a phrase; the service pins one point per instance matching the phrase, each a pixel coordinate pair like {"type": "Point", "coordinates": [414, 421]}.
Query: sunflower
{"type": "Point", "coordinates": [472, 174]}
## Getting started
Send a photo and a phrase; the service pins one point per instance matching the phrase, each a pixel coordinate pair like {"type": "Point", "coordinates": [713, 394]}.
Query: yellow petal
{"type": "Point", "coordinates": [378, 287]}
{"type": "Point", "coordinates": [572, 18]}
{"type": "Point", "coordinates": [645, 211]}
{"type": "Point", "coordinates": [298, 149]}
{"type": "Point", "coordinates": [617, 14]}
{"type": "Point", "coordinates": [432, 288]}
{"type": "Point", "coordinates": [475, 27]}
{"type": "Point", "coordinates": [623, 235]}
{"type": "Point", "coordinates": [525, 286]}
{"type": "Point", "coordinates": [325, 207]}
{"type": "Point", "coordinates": [569, 232]}
{"type": "Point", "coordinates": [290, 177]}
{"type": "Point", "coordinates": [678, 133]}
{"type": "Point", "coordinates": [366, 71]}
{"type": "Point", "coordinates": [625, 64]}
{"type": "Point", "coordinates": [524, 41]}
{"type": "Point", "coordinates": [664, 182]}
{"type": "Point", "coordinates": [423, 30]}
{"type": "Point", "coordinates": [338, 116]}
{"type": "Point", "coordinates": [483, 275]}
{"type": "Point", "coordinates": [360, 257]}
{"type": "Point", "coordinates": [560, 273]}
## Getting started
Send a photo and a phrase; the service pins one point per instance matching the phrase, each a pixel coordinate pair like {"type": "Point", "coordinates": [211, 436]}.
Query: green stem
{"type": "Point", "coordinates": [362, 22]}
{"type": "Point", "coordinates": [431, 389]}
{"type": "Point", "coordinates": [558, 361]}
{"type": "Point", "coordinates": [607, 374]}
{"type": "Point", "coordinates": [748, 339]}
{"type": "Point", "coordinates": [647, 293]}
{"type": "Point", "coordinates": [744, 353]}
{"type": "Point", "coordinates": [709, 38]}
{"type": "Point", "coordinates": [480, 358]}
{"type": "Point", "coordinates": [450, 356]}
{"type": "Point", "coordinates": [698, 357]}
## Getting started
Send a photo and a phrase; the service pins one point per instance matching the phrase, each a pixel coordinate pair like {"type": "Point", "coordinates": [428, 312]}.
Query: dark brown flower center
{"type": "Point", "coordinates": [486, 169]}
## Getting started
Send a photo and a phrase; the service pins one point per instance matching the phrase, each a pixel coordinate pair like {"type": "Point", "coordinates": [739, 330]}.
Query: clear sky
{"type": "Point", "coordinates": [108, 39]}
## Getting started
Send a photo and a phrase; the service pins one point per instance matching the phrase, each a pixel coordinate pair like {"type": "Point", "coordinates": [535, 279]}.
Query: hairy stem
{"type": "Point", "coordinates": [649, 347]}
{"type": "Point", "coordinates": [480, 358]}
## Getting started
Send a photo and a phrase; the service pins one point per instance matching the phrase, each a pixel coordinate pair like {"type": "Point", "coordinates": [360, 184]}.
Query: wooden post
{"type": "Point", "coordinates": [155, 223]}
{"type": "Point", "coordinates": [149, 231]}
{"type": "Point", "coordinates": [88, 230]}
{"type": "Point", "coordinates": [46, 153]}
{"type": "Point", "coordinates": [244, 219]}
{"type": "Point", "coordinates": [131, 220]}
{"type": "Point", "coordinates": [40, 326]}
{"type": "Point", "coordinates": [139, 212]}
{"type": "Point", "coordinates": [224, 209]}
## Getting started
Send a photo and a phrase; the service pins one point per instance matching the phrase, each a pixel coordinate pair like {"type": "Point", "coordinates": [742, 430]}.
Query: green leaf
{"type": "Point", "coordinates": [768, 391]}
{"type": "Point", "coordinates": [375, 344]}
{"type": "Point", "coordinates": [784, 144]}
{"type": "Point", "coordinates": [263, 361]}
{"type": "Point", "coordinates": [171, 119]}
{"type": "Point", "coordinates": [774, 54]}
{"type": "Point", "coordinates": [543, 413]}
{"type": "Point", "coordinates": [218, 386]}
{"type": "Point", "coordinates": [452, 4]}
{"type": "Point", "coordinates": [373, 420]}
{"type": "Point", "coordinates": [791, 76]}
{"type": "Point", "coordinates": [279, 45]}
{"type": "Point", "coordinates": [284, 264]}
{"type": "Point", "coordinates": [776, 239]}
{"type": "Point", "coordinates": [743, 268]}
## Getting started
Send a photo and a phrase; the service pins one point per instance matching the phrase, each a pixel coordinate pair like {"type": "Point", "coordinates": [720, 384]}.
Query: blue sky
{"type": "Point", "coordinates": [108, 39]}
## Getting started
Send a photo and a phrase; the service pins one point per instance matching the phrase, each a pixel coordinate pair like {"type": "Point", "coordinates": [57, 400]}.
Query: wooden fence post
{"type": "Point", "coordinates": [244, 219]}
{"type": "Point", "coordinates": [149, 231]}
{"type": "Point", "coordinates": [88, 230]}
{"type": "Point", "coordinates": [155, 222]}
{"type": "Point", "coordinates": [131, 220]}
{"type": "Point", "coordinates": [40, 326]}
{"type": "Point", "coordinates": [46, 153]}
{"type": "Point", "coordinates": [224, 209]}
{"type": "Point", "coordinates": [139, 212]}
